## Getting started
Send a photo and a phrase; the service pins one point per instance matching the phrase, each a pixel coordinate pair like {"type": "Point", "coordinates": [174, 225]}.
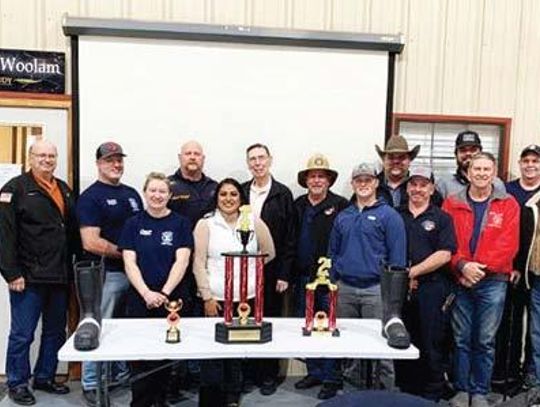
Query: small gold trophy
{"type": "Point", "coordinates": [173, 319]}
{"type": "Point", "coordinates": [321, 323]}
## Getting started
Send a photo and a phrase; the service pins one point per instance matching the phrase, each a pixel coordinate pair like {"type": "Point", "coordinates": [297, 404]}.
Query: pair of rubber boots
{"type": "Point", "coordinates": [394, 288]}
{"type": "Point", "coordinates": [89, 284]}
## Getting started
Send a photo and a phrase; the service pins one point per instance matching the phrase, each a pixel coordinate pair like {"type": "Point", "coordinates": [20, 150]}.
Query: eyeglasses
{"type": "Point", "coordinates": [44, 156]}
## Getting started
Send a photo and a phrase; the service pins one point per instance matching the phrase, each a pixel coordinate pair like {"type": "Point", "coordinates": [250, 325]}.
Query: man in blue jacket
{"type": "Point", "coordinates": [366, 238]}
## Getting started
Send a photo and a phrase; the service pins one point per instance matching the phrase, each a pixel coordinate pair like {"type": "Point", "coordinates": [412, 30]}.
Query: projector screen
{"type": "Point", "coordinates": [152, 94]}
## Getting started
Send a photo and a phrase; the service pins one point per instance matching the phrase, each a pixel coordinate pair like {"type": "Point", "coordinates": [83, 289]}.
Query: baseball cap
{"type": "Point", "coordinates": [421, 171]}
{"type": "Point", "coordinates": [531, 148]}
{"type": "Point", "coordinates": [364, 169]}
{"type": "Point", "coordinates": [108, 149]}
{"type": "Point", "coordinates": [468, 138]}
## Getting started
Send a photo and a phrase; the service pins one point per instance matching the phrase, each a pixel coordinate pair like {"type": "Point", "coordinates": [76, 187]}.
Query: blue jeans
{"type": "Point", "coordinates": [322, 369]}
{"type": "Point", "coordinates": [535, 326]}
{"type": "Point", "coordinates": [475, 320]}
{"type": "Point", "coordinates": [49, 302]}
{"type": "Point", "coordinates": [114, 291]}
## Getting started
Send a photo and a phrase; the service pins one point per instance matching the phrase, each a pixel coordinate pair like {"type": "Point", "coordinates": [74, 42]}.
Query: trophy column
{"type": "Point", "coordinates": [229, 275]}
{"type": "Point", "coordinates": [243, 328]}
{"type": "Point", "coordinates": [320, 323]}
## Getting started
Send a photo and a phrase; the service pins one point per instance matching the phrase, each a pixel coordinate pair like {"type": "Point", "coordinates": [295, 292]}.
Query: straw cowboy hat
{"type": "Point", "coordinates": [398, 144]}
{"type": "Point", "coordinates": [317, 162]}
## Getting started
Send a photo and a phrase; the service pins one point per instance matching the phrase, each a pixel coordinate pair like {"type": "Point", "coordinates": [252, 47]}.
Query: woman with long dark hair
{"type": "Point", "coordinates": [214, 234]}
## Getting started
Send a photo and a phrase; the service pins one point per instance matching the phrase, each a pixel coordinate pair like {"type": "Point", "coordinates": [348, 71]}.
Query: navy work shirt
{"type": "Point", "coordinates": [429, 232]}
{"type": "Point", "coordinates": [155, 241]}
{"type": "Point", "coordinates": [108, 207]}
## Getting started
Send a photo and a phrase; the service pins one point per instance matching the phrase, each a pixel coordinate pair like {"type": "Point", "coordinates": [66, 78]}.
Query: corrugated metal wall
{"type": "Point", "coordinates": [463, 57]}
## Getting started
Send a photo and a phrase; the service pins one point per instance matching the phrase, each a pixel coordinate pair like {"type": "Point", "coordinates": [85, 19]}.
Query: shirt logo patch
{"type": "Point", "coordinates": [428, 225]}
{"type": "Point", "coordinates": [329, 211]}
{"type": "Point", "coordinates": [495, 219]}
{"type": "Point", "coordinates": [5, 197]}
{"type": "Point", "coordinates": [112, 202]}
{"type": "Point", "coordinates": [134, 205]}
{"type": "Point", "coordinates": [372, 217]}
{"type": "Point", "coordinates": [145, 232]}
{"type": "Point", "coordinates": [166, 238]}
{"type": "Point", "coordinates": [183, 197]}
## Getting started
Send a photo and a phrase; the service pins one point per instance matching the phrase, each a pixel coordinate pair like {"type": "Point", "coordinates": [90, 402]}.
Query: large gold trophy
{"type": "Point", "coordinates": [243, 328]}
{"type": "Point", "coordinates": [320, 323]}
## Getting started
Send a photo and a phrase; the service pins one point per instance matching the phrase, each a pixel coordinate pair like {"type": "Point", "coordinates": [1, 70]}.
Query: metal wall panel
{"type": "Point", "coordinates": [461, 47]}
{"type": "Point", "coordinates": [526, 125]}
{"type": "Point", "coordinates": [463, 57]}
{"type": "Point", "coordinates": [421, 65]}
{"type": "Point", "coordinates": [499, 54]}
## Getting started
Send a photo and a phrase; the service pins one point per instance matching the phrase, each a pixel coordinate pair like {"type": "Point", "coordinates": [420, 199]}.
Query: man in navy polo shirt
{"type": "Point", "coordinates": [509, 349]}
{"type": "Point", "coordinates": [431, 242]}
{"type": "Point", "coordinates": [191, 189]}
{"type": "Point", "coordinates": [102, 209]}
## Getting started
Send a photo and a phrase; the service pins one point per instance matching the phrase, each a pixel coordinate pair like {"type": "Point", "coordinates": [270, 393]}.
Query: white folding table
{"type": "Point", "coordinates": [144, 339]}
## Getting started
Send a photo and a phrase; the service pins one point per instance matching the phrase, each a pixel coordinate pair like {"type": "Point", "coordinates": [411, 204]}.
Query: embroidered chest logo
{"type": "Point", "coordinates": [166, 238]}
{"type": "Point", "coordinates": [145, 232]}
{"type": "Point", "coordinates": [5, 197]}
{"type": "Point", "coordinates": [495, 219]}
{"type": "Point", "coordinates": [112, 202]}
{"type": "Point", "coordinates": [329, 211]}
{"type": "Point", "coordinates": [134, 205]}
{"type": "Point", "coordinates": [428, 225]}
{"type": "Point", "coordinates": [183, 197]}
{"type": "Point", "coordinates": [372, 217]}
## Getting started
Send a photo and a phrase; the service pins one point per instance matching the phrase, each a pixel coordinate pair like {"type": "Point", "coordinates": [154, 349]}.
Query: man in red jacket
{"type": "Point", "coordinates": [487, 232]}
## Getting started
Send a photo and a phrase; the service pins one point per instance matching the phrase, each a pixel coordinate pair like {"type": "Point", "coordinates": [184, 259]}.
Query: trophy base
{"type": "Point", "coordinates": [173, 336]}
{"type": "Point", "coordinates": [248, 333]}
{"type": "Point", "coordinates": [323, 332]}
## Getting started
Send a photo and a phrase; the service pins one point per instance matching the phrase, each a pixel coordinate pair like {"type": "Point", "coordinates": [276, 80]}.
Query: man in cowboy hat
{"type": "Point", "coordinates": [396, 158]}
{"type": "Point", "coordinates": [315, 214]}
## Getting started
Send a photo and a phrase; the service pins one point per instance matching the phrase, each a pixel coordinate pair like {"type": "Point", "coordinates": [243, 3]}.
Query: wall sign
{"type": "Point", "coordinates": [32, 71]}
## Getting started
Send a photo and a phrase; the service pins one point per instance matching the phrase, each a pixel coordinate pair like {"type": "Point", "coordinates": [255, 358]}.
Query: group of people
{"type": "Point", "coordinates": [460, 238]}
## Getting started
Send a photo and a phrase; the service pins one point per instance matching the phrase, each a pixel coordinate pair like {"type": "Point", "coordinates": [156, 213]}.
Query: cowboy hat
{"type": "Point", "coordinates": [398, 144]}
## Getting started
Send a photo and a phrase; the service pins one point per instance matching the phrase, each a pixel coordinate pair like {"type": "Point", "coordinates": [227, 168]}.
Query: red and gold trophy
{"type": "Point", "coordinates": [173, 319]}
{"type": "Point", "coordinates": [243, 328]}
{"type": "Point", "coordinates": [320, 323]}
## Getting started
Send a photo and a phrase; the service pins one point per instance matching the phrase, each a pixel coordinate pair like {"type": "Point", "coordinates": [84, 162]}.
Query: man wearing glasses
{"type": "Point", "coordinates": [39, 238]}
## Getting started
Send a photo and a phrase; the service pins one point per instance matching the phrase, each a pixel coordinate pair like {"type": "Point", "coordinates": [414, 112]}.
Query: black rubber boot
{"type": "Point", "coordinates": [89, 284]}
{"type": "Point", "coordinates": [394, 286]}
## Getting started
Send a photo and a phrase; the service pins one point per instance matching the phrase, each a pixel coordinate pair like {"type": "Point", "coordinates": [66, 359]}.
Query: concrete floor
{"type": "Point", "coordinates": [286, 395]}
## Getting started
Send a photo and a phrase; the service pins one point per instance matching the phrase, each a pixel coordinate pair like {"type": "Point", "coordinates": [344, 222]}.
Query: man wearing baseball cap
{"type": "Point", "coordinates": [467, 144]}
{"type": "Point", "coordinates": [510, 338]}
{"type": "Point", "coordinates": [431, 242]}
{"type": "Point", "coordinates": [315, 214]}
{"type": "Point", "coordinates": [368, 251]}
{"type": "Point", "coordinates": [102, 210]}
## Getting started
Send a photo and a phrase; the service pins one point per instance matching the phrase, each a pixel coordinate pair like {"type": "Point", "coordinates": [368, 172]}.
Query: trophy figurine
{"type": "Point", "coordinates": [321, 323]}
{"type": "Point", "coordinates": [173, 319]}
{"type": "Point", "coordinates": [244, 328]}
{"type": "Point", "coordinates": [244, 232]}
